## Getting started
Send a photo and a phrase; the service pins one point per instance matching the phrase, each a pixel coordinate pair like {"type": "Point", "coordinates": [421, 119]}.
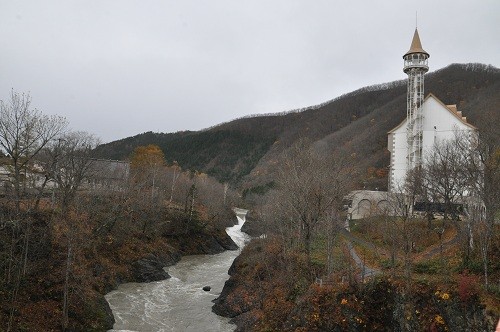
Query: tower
{"type": "Point", "coordinates": [415, 66]}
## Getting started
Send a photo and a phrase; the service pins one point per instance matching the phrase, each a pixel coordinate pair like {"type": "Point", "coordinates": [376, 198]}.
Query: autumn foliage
{"type": "Point", "coordinates": [147, 157]}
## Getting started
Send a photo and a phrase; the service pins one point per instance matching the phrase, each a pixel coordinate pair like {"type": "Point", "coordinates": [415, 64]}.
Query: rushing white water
{"type": "Point", "coordinates": [178, 303]}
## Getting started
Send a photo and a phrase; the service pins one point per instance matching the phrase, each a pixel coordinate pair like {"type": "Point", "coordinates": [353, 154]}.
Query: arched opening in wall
{"type": "Point", "coordinates": [383, 207]}
{"type": "Point", "coordinates": [364, 208]}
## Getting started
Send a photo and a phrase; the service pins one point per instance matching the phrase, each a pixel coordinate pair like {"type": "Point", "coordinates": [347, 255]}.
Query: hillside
{"type": "Point", "coordinates": [272, 289]}
{"type": "Point", "coordinates": [244, 151]}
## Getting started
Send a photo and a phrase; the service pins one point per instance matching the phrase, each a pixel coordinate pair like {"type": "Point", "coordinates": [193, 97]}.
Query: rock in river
{"type": "Point", "coordinates": [149, 268]}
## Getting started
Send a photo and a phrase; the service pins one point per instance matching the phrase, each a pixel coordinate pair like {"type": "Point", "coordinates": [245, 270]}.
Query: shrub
{"type": "Point", "coordinates": [429, 267]}
{"type": "Point", "coordinates": [467, 286]}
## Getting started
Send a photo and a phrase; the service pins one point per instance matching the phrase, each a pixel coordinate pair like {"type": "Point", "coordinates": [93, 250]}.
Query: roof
{"type": "Point", "coordinates": [453, 110]}
{"type": "Point", "coordinates": [397, 127]}
{"type": "Point", "coordinates": [450, 108]}
{"type": "Point", "coordinates": [416, 45]}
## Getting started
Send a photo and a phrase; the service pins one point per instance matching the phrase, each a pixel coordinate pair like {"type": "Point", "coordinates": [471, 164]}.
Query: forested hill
{"type": "Point", "coordinates": [244, 151]}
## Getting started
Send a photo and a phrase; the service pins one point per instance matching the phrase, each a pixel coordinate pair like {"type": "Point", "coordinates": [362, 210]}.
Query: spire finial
{"type": "Point", "coordinates": [416, 19]}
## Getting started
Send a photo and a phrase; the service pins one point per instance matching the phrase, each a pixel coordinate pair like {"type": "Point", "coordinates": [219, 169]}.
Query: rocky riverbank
{"type": "Point", "coordinates": [151, 267]}
{"type": "Point", "coordinates": [269, 291]}
{"type": "Point", "coordinates": [99, 264]}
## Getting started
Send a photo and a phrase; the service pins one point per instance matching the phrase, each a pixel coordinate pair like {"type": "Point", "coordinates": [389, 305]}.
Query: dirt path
{"type": "Point", "coordinates": [366, 271]}
{"type": "Point", "coordinates": [446, 245]}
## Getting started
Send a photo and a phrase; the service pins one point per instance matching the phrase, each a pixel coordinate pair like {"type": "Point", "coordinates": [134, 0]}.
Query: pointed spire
{"type": "Point", "coordinates": [416, 46]}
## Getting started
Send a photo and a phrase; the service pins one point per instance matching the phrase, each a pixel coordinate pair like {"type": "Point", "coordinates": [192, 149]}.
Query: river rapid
{"type": "Point", "coordinates": [178, 303]}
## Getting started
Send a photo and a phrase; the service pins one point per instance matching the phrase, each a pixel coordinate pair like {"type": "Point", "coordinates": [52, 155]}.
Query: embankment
{"type": "Point", "coordinates": [270, 291]}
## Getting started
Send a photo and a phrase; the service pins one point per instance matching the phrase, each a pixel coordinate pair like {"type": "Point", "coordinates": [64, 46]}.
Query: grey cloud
{"type": "Point", "coordinates": [118, 68]}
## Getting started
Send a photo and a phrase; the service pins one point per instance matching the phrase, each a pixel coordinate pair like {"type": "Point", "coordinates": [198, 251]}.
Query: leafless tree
{"type": "Point", "coordinates": [311, 186]}
{"type": "Point", "coordinates": [72, 165]}
{"type": "Point", "coordinates": [25, 131]}
{"type": "Point", "coordinates": [176, 172]}
{"type": "Point", "coordinates": [399, 221]}
{"type": "Point", "coordinates": [482, 171]}
{"type": "Point", "coordinates": [444, 177]}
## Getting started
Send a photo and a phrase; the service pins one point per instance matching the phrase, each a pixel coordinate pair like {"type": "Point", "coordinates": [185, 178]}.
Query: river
{"type": "Point", "coordinates": [178, 303]}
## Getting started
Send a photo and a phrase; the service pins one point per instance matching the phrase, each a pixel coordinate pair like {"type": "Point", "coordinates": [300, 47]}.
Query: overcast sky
{"type": "Point", "coordinates": [120, 68]}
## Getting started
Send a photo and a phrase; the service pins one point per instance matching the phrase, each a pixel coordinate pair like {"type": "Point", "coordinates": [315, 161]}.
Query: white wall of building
{"type": "Point", "coordinates": [399, 150]}
{"type": "Point", "coordinates": [439, 123]}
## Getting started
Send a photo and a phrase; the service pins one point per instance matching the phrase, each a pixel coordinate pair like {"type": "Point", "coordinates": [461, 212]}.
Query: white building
{"type": "Point", "coordinates": [428, 120]}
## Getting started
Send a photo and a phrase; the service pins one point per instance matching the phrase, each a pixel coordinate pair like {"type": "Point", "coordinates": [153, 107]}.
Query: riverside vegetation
{"type": "Point", "coordinates": [72, 228]}
{"type": "Point", "coordinates": [71, 236]}
{"type": "Point", "coordinates": [429, 271]}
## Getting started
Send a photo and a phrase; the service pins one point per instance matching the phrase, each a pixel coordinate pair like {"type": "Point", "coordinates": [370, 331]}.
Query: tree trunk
{"type": "Point", "coordinates": [26, 246]}
{"type": "Point", "coordinates": [17, 186]}
{"type": "Point", "coordinates": [307, 243]}
{"type": "Point", "coordinates": [66, 287]}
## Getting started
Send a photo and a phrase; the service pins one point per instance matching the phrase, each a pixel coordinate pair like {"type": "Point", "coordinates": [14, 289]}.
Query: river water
{"type": "Point", "coordinates": [178, 303]}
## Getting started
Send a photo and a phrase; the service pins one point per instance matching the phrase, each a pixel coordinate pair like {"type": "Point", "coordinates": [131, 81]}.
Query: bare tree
{"type": "Point", "coordinates": [482, 170]}
{"type": "Point", "coordinates": [24, 131]}
{"type": "Point", "coordinates": [399, 221]}
{"type": "Point", "coordinates": [444, 175]}
{"type": "Point", "coordinates": [72, 155]}
{"type": "Point", "coordinates": [72, 166]}
{"type": "Point", "coordinates": [176, 172]}
{"type": "Point", "coordinates": [465, 171]}
{"type": "Point", "coordinates": [311, 187]}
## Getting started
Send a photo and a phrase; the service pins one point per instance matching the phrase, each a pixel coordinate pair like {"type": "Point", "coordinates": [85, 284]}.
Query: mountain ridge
{"type": "Point", "coordinates": [244, 151]}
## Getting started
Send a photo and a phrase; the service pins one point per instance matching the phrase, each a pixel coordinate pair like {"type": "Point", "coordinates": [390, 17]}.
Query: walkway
{"type": "Point", "coordinates": [446, 245]}
{"type": "Point", "coordinates": [365, 270]}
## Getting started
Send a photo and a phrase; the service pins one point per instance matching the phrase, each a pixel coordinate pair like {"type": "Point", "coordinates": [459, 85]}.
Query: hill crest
{"type": "Point", "coordinates": [243, 151]}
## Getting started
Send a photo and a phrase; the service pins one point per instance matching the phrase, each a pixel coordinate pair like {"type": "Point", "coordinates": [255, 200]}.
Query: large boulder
{"type": "Point", "coordinates": [223, 306]}
{"type": "Point", "coordinates": [148, 269]}
{"type": "Point", "coordinates": [217, 242]}
{"type": "Point", "coordinates": [225, 241]}
{"type": "Point", "coordinates": [253, 227]}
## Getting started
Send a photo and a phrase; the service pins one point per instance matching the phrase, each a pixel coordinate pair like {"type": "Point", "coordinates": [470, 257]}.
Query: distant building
{"type": "Point", "coordinates": [366, 203]}
{"type": "Point", "coordinates": [427, 122]}
{"type": "Point", "coordinates": [103, 174]}
{"type": "Point", "coordinates": [5, 174]}
{"type": "Point", "coordinates": [108, 174]}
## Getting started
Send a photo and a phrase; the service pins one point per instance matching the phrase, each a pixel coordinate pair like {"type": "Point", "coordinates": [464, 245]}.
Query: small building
{"type": "Point", "coordinates": [108, 174]}
{"type": "Point", "coordinates": [367, 203]}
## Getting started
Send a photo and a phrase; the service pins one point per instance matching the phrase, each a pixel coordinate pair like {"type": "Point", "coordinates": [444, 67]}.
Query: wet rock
{"type": "Point", "coordinates": [170, 259]}
{"type": "Point", "coordinates": [230, 303]}
{"type": "Point", "coordinates": [253, 227]}
{"type": "Point", "coordinates": [104, 314]}
{"type": "Point", "coordinates": [225, 241]}
{"type": "Point", "coordinates": [232, 269]}
{"type": "Point", "coordinates": [211, 246]}
{"type": "Point", "coordinates": [148, 269]}
{"type": "Point", "coordinates": [217, 243]}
